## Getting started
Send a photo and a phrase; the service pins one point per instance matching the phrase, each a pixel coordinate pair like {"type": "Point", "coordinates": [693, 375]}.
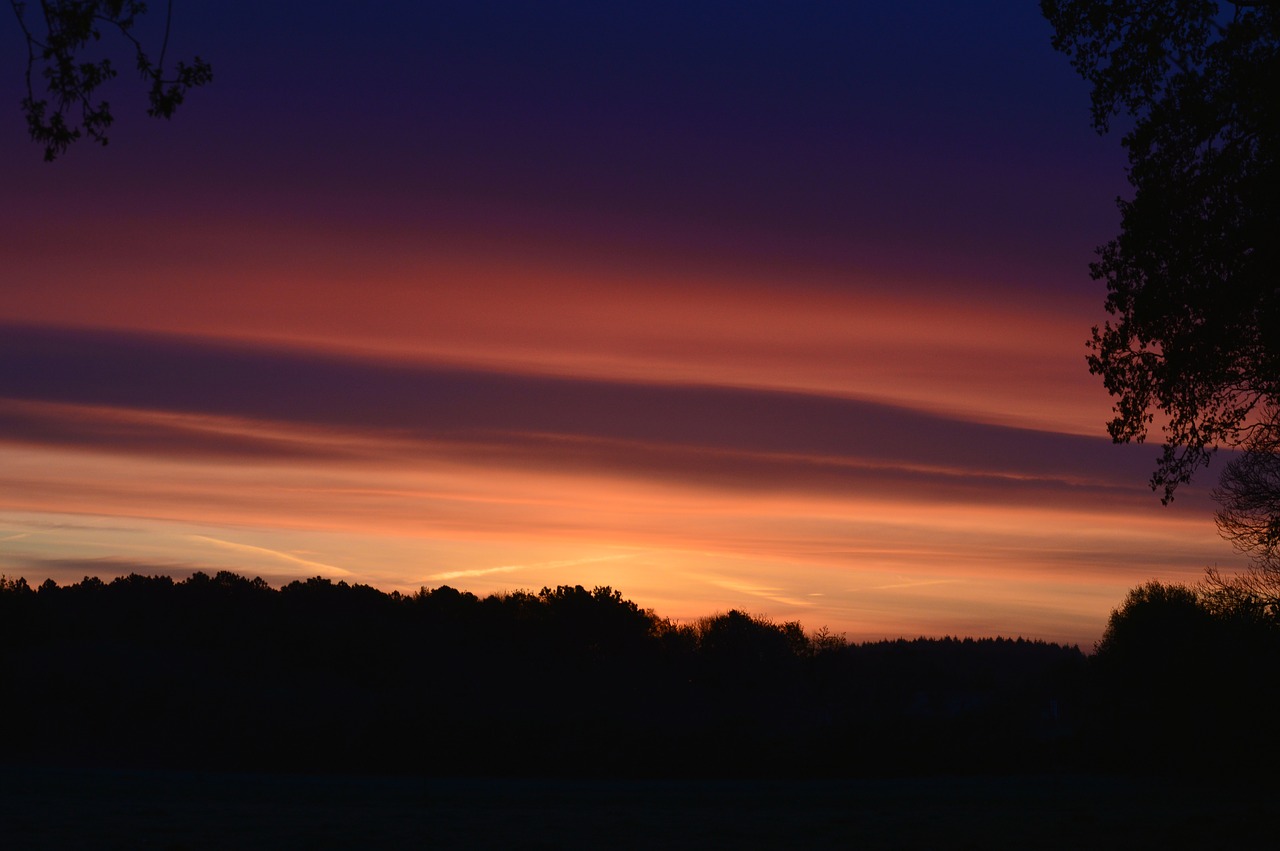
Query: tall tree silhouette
{"type": "Point", "coordinates": [1191, 277]}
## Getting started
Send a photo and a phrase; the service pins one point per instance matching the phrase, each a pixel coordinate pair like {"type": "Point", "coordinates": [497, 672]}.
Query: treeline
{"type": "Point", "coordinates": [226, 672]}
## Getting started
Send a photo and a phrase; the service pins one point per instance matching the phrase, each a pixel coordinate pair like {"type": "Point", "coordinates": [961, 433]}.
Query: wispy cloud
{"type": "Point", "coordinates": [134, 393]}
{"type": "Point", "coordinates": [914, 583]}
{"type": "Point", "coordinates": [512, 568]}
{"type": "Point", "coordinates": [277, 554]}
{"type": "Point", "coordinates": [764, 592]}
{"type": "Point", "coordinates": [104, 567]}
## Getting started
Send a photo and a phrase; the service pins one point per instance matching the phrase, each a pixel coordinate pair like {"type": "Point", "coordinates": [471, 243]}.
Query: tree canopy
{"type": "Point", "coordinates": [1194, 345]}
{"type": "Point", "coordinates": [227, 672]}
{"type": "Point", "coordinates": [60, 40]}
{"type": "Point", "coordinates": [1176, 658]}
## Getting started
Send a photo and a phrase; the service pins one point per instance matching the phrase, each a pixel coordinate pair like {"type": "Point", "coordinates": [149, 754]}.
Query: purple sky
{"type": "Point", "coordinates": [771, 306]}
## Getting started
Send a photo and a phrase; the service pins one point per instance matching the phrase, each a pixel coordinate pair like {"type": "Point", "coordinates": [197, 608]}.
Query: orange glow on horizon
{"type": "Point", "coordinates": [860, 564]}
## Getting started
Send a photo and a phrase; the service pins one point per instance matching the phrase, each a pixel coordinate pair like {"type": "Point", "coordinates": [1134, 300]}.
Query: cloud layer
{"type": "Point", "coordinates": [151, 394]}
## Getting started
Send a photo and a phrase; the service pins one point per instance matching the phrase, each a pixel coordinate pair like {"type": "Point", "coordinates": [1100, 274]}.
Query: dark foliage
{"type": "Point", "coordinates": [62, 37]}
{"type": "Point", "coordinates": [1191, 276]}
{"type": "Point", "coordinates": [226, 672]}
{"type": "Point", "coordinates": [1187, 680]}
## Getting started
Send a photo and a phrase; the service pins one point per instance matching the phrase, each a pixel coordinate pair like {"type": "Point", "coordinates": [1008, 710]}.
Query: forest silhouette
{"type": "Point", "coordinates": [224, 672]}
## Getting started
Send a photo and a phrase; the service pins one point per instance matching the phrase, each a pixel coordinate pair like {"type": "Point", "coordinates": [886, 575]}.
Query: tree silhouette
{"type": "Point", "coordinates": [59, 41]}
{"type": "Point", "coordinates": [1191, 276]}
{"type": "Point", "coordinates": [1175, 658]}
{"type": "Point", "coordinates": [1248, 496]}
{"type": "Point", "coordinates": [226, 672]}
{"type": "Point", "coordinates": [1152, 664]}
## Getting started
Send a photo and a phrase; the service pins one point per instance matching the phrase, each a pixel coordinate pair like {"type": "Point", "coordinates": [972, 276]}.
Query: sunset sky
{"type": "Point", "coordinates": [758, 305]}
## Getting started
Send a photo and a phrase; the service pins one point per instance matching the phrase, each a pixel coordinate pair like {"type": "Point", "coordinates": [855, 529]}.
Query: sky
{"type": "Point", "coordinates": [779, 307]}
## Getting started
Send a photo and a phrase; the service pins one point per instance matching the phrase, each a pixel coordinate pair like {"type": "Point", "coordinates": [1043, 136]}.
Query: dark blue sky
{"type": "Point", "coordinates": [837, 131]}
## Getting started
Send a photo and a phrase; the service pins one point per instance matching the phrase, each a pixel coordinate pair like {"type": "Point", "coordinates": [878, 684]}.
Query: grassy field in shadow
{"type": "Point", "coordinates": [61, 808]}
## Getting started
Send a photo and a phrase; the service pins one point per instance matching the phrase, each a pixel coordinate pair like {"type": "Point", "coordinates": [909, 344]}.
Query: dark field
{"type": "Point", "coordinates": [221, 713]}
{"type": "Point", "coordinates": [82, 808]}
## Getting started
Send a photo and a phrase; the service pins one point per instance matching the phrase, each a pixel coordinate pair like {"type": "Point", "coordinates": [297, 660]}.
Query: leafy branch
{"type": "Point", "coordinates": [68, 106]}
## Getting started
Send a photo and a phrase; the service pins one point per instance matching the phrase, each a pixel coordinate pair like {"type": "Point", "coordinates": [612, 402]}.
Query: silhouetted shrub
{"type": "Point", "coordinates": [1171, 662]}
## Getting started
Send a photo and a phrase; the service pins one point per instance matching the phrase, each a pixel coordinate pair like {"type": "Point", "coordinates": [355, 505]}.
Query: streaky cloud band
{"type": "Point", "coordinates": [154, 393]}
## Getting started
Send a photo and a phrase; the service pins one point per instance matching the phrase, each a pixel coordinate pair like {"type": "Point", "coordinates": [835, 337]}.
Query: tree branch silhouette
{"type": "Point", "coordinates": [68, 108]}
{"type": "Point", "coordinates": [1194, 341]}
